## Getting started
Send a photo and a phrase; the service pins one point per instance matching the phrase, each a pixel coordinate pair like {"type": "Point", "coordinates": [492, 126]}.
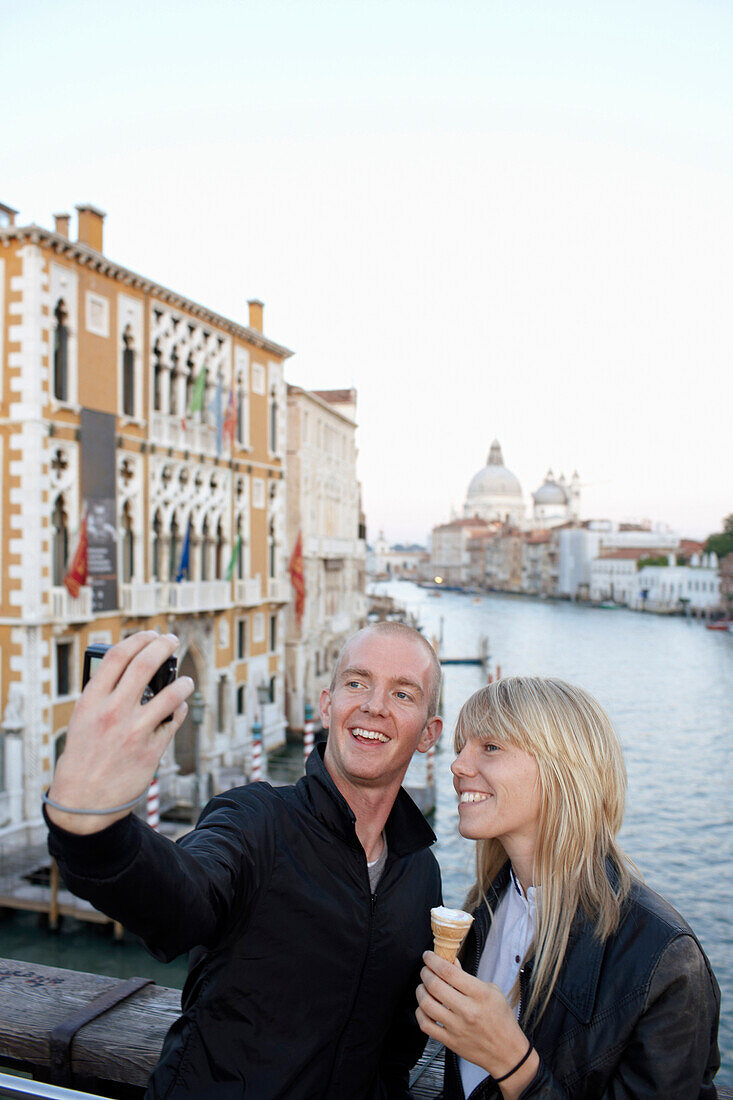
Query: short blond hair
{"type": "Point", "coordinates": [582, 780]}
{"type": "Point", "coordinates": [387, 626]}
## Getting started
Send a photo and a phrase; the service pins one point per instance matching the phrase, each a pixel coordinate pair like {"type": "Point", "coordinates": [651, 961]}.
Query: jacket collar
{"type": "Point", "coordinates": [577, 981]}
{"type": "Point", "coordinates": [406, 829]}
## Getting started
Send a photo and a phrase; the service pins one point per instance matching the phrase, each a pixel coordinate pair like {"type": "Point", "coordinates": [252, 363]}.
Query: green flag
{"type": "Point", "coordinates": [199, 390]}
{"type": "Point", "coordinates": [233, 559]}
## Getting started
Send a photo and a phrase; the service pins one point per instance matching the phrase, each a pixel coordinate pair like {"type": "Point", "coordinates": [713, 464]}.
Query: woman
{"type": "Point", "coordinates": [577, 981]}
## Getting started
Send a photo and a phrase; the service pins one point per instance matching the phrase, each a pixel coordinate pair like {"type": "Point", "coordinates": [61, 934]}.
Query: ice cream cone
{"type": "Point", "coordinates": [449, 930]}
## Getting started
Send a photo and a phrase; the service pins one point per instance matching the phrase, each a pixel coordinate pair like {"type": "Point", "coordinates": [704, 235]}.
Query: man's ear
{"type": "Point", "coordinates": [325, 708]}
{"type": "Point", "coordinates": [431, 734]}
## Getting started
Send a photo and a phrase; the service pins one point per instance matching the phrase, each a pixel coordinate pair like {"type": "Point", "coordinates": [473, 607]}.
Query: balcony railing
{"type": "Point", "coordinates": [142, 599]}
{"type": "Point", "coordinates": [198, 595]}
{"type": "Point", "coordinates": [278, 590]}
{"type": "Point", "coordinates": [248, 593]}
{"type": "Point", "coordinates": [64, 608]}
{"type": "Point", "coordinates": [151, 599]}
{"type": "Point", "coordinates": [169, 431]}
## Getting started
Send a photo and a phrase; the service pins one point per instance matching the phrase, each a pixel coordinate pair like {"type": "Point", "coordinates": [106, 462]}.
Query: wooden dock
{"type": "Point", "coordinates": [114, 1053]}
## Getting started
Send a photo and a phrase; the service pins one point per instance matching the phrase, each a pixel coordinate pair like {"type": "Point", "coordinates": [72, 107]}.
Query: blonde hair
{"type": "Point", "coordinates": [582, 781]}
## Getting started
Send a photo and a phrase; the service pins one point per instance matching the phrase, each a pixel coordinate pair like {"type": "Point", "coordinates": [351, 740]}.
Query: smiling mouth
{"type": "Point", "coordinates": [471, 796]}
{"type": "Point", "coordinates": [369, 735]}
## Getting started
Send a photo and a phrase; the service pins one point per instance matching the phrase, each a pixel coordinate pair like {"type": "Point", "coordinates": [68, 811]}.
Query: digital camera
{"type": "Point", "coordinates": [165, 675]}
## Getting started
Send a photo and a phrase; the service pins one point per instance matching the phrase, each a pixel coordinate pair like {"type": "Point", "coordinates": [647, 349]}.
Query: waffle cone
{"type": "Point", "coordinates": [448, 937]}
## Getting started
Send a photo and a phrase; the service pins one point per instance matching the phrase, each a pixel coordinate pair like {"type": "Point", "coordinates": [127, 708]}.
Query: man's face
{"type": "Point", "coordinates": [376, 713]}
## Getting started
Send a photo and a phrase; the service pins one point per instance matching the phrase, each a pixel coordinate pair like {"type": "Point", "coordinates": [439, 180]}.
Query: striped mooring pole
{"type": "Point", "coordinates": [153, 803]}
{"type": "Point", "coordinates": [308, 732]}
{"type": "Point", "coordinates": [256, 751]}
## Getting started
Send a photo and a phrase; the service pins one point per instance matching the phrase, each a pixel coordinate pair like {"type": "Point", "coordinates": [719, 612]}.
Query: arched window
{"type": "Point", "coordinates": [271, 549]}
{"type": "Point", "coordinates": [128, 544]}
{"type": "Point", "coordinates": [61, 353]}
{"type": "Point", "coordinates": [241, 555]}
{"type": "Point", "coordinates": [189, 385]}
{"type": "Point", "coordinates": [174, 548]}
{"type": "Point", "coordinates": [157, 379]}
{"type": "Point", "coordinates": [128, 374]}
{"type": "Point", "coordinates": [173, 397]}
{"type": "Point", "coordinates": [220, 546]}
{"type": "Point", "coordinates": [157, 546]}
{"type": "Point", "coordinates": [205, 542]}
{"type": "Point", "coordinates": [59, 541]}
{"type": "Point", "coordinates": [273, 421]}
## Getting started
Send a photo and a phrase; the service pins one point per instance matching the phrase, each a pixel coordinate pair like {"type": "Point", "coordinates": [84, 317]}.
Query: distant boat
{"type": "Point", "coordinates": [720, 624]}
{"type": "Point", "coordinates": [610, 605]}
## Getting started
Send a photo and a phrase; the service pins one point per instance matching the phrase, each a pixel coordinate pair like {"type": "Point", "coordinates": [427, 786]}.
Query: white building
{"type": "Point", "coordinates": [557, 501]}
{"type": "Point", "coordinates": [577, 548]}
{"type": "Point", "coordinates": [695, 587]}
{"type": "Point", "coordinates": [449, 554]}
{"type": "Point", "coordinates": [324, 509]}
{"type": "Point", "coordinates": [405, 562]}
{"type": "Point", "coordinates": [494, 493]}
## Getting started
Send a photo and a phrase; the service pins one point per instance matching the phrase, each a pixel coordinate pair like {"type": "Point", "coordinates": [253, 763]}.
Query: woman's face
{"type": "Point", "coordinates": [498, 792]}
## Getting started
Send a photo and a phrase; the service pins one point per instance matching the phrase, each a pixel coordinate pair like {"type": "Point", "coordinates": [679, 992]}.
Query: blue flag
{"type": "Point", "coordinates": [182, 570]}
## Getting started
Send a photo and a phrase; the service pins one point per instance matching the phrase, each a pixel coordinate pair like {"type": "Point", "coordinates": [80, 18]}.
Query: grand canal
{"type": "Point", "coordinates": [668, 685]}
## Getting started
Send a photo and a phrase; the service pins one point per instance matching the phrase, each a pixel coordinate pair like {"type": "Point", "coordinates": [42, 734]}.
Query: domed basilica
{"type": "Point", "coordinates": [495, 494]}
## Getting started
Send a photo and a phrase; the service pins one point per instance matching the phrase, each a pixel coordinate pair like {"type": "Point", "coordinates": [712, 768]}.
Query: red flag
{"type": "Point", "coordinates": [76, 574]}
{"type": "Point", "coordinates": [231, 420]}
{"type": "Point", "coordinates": [297, 578]}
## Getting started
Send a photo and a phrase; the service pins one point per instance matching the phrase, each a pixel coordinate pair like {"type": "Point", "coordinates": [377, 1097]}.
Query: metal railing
{"type": "Point", "coordinates": [36, 1090]}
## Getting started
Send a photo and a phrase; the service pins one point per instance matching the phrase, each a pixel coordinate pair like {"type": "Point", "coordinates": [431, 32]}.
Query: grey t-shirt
{"type": "Point", "coordinates": [375, 869]}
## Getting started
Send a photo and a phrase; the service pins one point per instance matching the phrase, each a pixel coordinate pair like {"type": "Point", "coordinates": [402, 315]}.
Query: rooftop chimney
{"type": "Point", "coordinates": [7, 215]}
{"type": "Point", "coordinates": [62, 224]}
{"type": "Point", "coordinates": [256, 309]}
{"type": "Point", "coordinates": [91, 226]}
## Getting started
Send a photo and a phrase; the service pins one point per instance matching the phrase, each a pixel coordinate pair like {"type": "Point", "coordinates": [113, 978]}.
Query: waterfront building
{"type": "Point", "coordinates": [694, 587]}
{"type": "Point", "coordinates": [449, 550]}
{"type": "Point", "coordinates": [399, 561]}
{"type": "Point", "coordinates": [324, 524]}
{"type": "Point", "coordinates": [504, 560]}
{"type": "Point", "coordinates": [577, 548]}
{"type": "Point", "coordinates": [725, 572]}
{"type": "Point", "coordinates": [539, 563]}
{"type": "Point", "coordinates": [158, 426]}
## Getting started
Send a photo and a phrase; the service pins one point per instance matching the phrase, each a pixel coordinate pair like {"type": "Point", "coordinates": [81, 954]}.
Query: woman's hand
{"type": "Point", "coordinates": [475, 1020]}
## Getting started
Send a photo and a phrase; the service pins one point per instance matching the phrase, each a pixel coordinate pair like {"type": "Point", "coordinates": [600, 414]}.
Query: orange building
{"type": "Point", "coordinates": [101, 368]}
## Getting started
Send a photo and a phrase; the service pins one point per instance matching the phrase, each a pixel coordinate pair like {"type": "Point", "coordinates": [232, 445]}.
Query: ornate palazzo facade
{"type": "Point", "coordinates": [82, 337]}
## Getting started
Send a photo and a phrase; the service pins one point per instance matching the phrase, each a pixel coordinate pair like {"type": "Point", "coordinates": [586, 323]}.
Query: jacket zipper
{"type": "Point", "coordinates": [370, 929]}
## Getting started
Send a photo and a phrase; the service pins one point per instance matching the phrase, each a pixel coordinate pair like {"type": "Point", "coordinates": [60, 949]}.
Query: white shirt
{"type": "Point", "coordinates": [511, 933]}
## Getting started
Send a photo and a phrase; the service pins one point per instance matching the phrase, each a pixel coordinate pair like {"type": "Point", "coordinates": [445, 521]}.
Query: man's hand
{"type": "Point", "coordinates": [114, 742]}
{"type": "Point", "coordinates": [475, 1020]}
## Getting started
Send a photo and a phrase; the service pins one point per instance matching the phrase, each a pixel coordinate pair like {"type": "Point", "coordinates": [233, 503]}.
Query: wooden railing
{"type": "Point", "coordinates": [114, 1053]}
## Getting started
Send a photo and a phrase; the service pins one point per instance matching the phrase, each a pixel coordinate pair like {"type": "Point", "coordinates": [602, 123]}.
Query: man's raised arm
{"type": "Point", "coordinates": [114, 742]}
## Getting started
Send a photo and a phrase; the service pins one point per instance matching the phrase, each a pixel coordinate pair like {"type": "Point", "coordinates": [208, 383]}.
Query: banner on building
{"type": "Point", "coordinates": [297, 577]}
{"type": "Point", "coordinates": [98, 490]}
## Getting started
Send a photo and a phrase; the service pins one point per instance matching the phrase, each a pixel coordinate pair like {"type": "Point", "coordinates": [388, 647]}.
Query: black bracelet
{"type": "Point", "coordinates": [520, 1063]}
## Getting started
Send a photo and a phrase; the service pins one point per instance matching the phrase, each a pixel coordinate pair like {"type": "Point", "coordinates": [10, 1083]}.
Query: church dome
{"type": "Point", "coordinates": [494, 480]}
{"type": "Point", "coordinates": [551, 492]}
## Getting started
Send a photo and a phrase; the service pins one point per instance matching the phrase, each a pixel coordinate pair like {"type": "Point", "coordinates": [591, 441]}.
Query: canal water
{"type": "Point", "coordinates": [667, 684]}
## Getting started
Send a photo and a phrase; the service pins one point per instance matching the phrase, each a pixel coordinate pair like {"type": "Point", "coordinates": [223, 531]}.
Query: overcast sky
{"type": "Point", "coordinates": [506, 218]}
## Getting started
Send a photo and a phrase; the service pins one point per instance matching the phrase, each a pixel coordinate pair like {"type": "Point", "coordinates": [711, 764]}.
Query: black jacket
{"type": "Point", "coordinates": [634, 1017]}
{"type": "Point", "coordinates": [301, 983]}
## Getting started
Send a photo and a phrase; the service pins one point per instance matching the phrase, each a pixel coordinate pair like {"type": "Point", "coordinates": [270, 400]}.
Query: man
{"type": "Point", "coordinates": [305, 908]}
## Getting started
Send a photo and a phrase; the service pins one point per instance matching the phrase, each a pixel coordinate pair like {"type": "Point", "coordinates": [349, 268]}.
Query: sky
{"type": "Point", "coordinates": [507, 219]}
